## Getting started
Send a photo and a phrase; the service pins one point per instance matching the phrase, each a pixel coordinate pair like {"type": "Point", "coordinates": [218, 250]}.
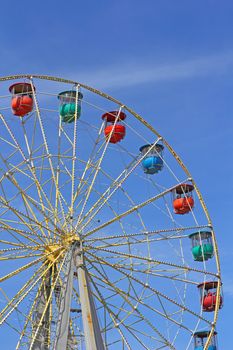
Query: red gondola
{"type": "Point", "coordinates": [183, 201]}
{"type": "Point", "coordinates": [22, 100]}
{"type": "Point", "coordinates": [115, 132]}
{"type": "Point", "coordinates": [208, 291]}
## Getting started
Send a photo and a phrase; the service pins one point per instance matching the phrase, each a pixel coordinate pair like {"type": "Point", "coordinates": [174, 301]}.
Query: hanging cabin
{"type": "Point", "coordinates": [22, 98]}
{"type": "Point", "coordinates": [183, 201]}
{"type": "Point", "coordinates": [114, 131]}
{"type": "Point", "coordinates": [208, 295]}
{"type": "Point", "coordinates": [152, 163]}
{"type": "Point", "coordinates": [202, 245]}
{"type": "Point", "coordinates": [67, 107]}
{"type": "Point", "coordinates": [200, 340]}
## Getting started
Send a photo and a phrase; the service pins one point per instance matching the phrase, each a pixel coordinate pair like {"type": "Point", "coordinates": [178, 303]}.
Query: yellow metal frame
{"type": "Point", "coordinates": [53, 253]}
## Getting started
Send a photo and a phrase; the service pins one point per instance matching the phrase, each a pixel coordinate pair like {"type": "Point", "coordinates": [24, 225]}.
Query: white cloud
{"type": "Point", "coordinates": [133, 74]}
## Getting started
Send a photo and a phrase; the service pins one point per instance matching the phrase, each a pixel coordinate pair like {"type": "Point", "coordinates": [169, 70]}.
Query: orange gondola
{"type": "Point", "coordinates": [183, 200]}
{"type": "Point", "coordinates": [115, 132]}
{"type": "Point", "coordinates": [208, 291]}
{"type": "Point", "coordinates": [22, 100]}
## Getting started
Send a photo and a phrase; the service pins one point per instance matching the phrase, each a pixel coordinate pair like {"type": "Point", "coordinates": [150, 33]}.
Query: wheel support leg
{"type": "Point", "coordinates": [63, 324]}
{"type": "Point", "coordinates": [42, 338]}
{"type": "Point", "coordinates": [92, 333]}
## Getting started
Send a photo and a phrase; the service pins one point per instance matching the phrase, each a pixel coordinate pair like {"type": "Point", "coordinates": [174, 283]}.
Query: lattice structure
{"type": "Point", "coordinates": [93, 254]}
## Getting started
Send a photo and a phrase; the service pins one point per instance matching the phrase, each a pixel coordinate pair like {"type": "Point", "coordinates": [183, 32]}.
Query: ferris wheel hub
{"type": "Point", "coordinates": [52, 251]}
{"type": "Point", "coordinates": [69, 239]}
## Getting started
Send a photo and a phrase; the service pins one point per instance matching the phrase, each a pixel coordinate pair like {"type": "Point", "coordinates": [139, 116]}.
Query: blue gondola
{"type": "Point", "coordinates": [200, 340]}
{"type": "Point", "coordinates": [153, 162]}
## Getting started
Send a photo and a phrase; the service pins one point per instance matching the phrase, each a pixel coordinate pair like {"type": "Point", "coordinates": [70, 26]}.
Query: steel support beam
{"type": "Point", "coordinates": [92, 332]}
{"type": "Point", "coordinates": [63, 322]}
{"type": "Point", "coordinates": [91, 327]}
{"type": "Point", "coordinates": [42, 338]}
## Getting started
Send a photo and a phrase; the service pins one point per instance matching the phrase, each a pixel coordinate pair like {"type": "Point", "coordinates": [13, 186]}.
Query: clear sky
{"type": "Point", "coordinates": [171, 61]}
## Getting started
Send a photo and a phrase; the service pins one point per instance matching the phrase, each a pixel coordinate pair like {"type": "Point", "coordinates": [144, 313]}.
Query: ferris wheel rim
{"type": "Point", "coordinates": [174, 154]}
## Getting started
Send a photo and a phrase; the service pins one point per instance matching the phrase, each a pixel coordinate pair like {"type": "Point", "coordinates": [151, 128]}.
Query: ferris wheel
{"type": "Point", "coordinates": [105, 240]}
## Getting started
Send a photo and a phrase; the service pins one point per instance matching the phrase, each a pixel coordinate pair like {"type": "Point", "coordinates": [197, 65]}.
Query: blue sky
{"type": "Point", "coordinates": [171, 61]}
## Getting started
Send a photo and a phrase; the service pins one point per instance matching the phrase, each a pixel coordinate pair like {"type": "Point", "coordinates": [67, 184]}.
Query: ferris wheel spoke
{"type": "Point", "coordinates": [131, 201]}
{"type": "Point", "coordinates": [22, 293]}
{"type": "Point", "coordinates": [70, 189]}
{"type": "Point", "coordinates": [38, 224]}
{"type": "Point", "coordinates": [139, 314]}
{"type": "Point", "coordinates": [145, 239]}
{"type": "Point", "coordinates": [16, 256]}
{"type": "Point", "coordinates": [40, 185]}
{"type": "Point", "coordinates": [136, 298]}
{"type": "Point", "coordinates": [29, 318]}
{"type": "Point", "coordinates": [20, 269]}
{"type": "Point", "coordinates": [47, 304]}
{"type": "Point", "coordinates": [26, 289]}
{"type": "Point", "coordinates": [12, 327]}
{"type": "Point", "coordinates": [22, 216]}
{"type": "Point", "coordinates": [138, 333]}
{"type": "Point", "coordinates": [134, 242]}
{"type": "Point", "coordinates": [89, 164]}
{"type": "Point", "coordinates": [149, 233]}
{"type": "Point", "coordinates": [84, 188]}
{"type": "Point", "coordinates": [10, 243]}
{"type": "Point", "coordinates": [58, 173]}
{"type": "Point", "coordinates": [125, 296]}
{"type": "Point", "coordinates": [84, 184]}
{"type": "Point", "coordinates": [112, 209]}
{"type": "Point", "coordinates": [13, 235]}
{"type": "Point", "coordinates": [47, 151]}
{"type": "Point", "coordinates": [20, 151]}
{"type": "Point", "coordinates": [71, 209]}
{"type": "Point", "coordinates": [34, 181]}
{"type": "Point", "coordinates": [23, 194]}
{"type": "Point", "coordinates": [98, 166]}
{"type": "Point", "coordinates": [103, 284]}
{"type": "Point", "coordinates": [108, 203]}
{"type": "Point", "coordinates": [150, 261]}
{"type": "Point", "coordinates": [32, 163]}
{"type": "Point", "coordinates": [21, 248]}
{"type": "Point", "coordinates": [85, 181]}
{"type": "Point", "coordinates": [14, 232]}
{"type": "Point", "coordinates": [27, 200]}
{"type": "Point", "coordinates": [59, 198]}
{"type": "Point", "coordinates": [174, 273]}
{"type": "Point", "coordinates": [114, 186]}
{"type": "Point", "coordinates": [126, 195]}
{"type": "Point", "coordinates": [133, 278]}
{"type": "Point", "coordinates": [21, 233]}
{"type": "Point", "coordinates": [9, 143]}
{"type": "Point", "coordinates": [130, 211]}
{"type": "Point", "coordinates": [21, 330]}
{"type": "Point", "coordinates": [176, 321]}
{"type": "Point", "coordinates": [113, 317]}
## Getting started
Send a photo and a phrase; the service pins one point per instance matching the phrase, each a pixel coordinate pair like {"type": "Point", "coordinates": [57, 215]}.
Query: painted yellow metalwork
{"type": "Point", "coordinates": [55, 251]}
{"type": "Point", "coordinates": [52, 251]}
{"type": "Point", "coordinates": [68, 239]}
